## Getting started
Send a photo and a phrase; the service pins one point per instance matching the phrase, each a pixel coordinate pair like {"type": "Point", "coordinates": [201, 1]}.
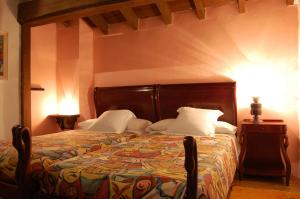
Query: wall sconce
{"type": "Point", "coordinates": [256, 109]}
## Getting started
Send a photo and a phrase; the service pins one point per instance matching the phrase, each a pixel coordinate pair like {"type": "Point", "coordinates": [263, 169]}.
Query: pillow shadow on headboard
{"type": "Point", "coordinates": [139, 99]}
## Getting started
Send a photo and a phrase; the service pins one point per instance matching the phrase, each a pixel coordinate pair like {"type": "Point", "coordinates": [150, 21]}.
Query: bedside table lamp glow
{"type": "Point", "coordinates": [68, 106]}
{"type": "Point", "coordinates": [68, 113]}
{"type": "Point", "coordinates": [256, 109]}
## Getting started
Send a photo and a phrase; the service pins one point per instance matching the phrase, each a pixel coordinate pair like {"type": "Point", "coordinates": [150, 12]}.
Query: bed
{"type": "Point", "coordinates": [48, 149]}
{"type": "Point", "coordinates": [147, 166]}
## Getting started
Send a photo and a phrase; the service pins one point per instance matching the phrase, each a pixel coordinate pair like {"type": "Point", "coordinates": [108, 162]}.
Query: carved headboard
{"type": "Point", "coordinates": [155, 102]}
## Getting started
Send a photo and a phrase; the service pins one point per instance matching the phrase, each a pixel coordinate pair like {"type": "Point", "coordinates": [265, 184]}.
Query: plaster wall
{"type": "Point", "coordinates": [61, 62]}
{"type": "Point", "coordinates": [43, 74]}
{"type": "Point", "coordinates": [75, 68]}
{"type": "Point", "coordinates": [67, 67]}
{"type": "Point", "coordinates": [9, 89]}
{"type": "Point", "coordinates": [86, 71]}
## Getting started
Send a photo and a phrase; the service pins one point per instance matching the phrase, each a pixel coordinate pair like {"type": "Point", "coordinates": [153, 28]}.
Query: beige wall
{"type": "Point", "coordinates": [257, 49]}
{"type": "Point", "coordinates": [9, 89]}
{"type": "Point", "coordinates": [43, 74]}
{"type": "Point", "coordinates": [86, 72]}
{"type": "Point", "coordinates": [75, 68]}
{"type": "Point", "coordinates": [61, 62]}
{"type": "Point", "coordinates": [67, 67]}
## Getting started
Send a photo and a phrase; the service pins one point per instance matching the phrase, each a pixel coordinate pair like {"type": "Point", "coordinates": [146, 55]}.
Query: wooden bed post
{"type": "Point", "coordinates": [191, 166]}
{"type": "Point", "coordinates": [25, 76]}
{"type": "Point", "coordinates": [22, 143]}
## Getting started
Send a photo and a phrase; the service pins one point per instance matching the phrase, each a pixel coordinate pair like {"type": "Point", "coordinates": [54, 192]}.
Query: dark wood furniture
{"type": "Point", "coordinates": [153, 102]}
{"type": "Point", "coordinates": [264, 149]}
{"type": "Point", "coordinates": [65, 122]}
{"type": "Point", "coordinates": [219, 96]}
{"type": "Point", "coordinates": [156, 102]}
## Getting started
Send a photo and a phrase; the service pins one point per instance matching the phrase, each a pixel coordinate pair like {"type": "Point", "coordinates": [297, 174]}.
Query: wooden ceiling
{"type": "Point", "coordinates": [132, 15]}
{"type": "Point", "coordinates": [101, 13]}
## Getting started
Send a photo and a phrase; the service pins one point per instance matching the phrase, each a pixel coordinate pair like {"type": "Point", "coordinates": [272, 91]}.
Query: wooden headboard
{"type": "Point", "coordinates": [139, 99]}
{"type": "Point", "coordinates": [155, 102]}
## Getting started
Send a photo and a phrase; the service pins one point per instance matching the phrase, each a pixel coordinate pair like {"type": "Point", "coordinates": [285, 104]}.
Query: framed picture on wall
{"type": "Point", "coordinates": [3, 56]}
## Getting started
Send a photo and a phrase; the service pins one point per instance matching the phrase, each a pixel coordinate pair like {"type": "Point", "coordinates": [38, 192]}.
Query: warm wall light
{"type": "Point", "coordinates": [68, 106]}
{"type": "Point", "coordinates": [49, 105]}
{"type": "Point", "coordinates": [274, 82]}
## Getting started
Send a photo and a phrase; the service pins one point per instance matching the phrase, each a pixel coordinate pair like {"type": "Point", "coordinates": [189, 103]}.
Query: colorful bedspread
{"type": "Point", "coordinates": [144, 167]}
{"type": "Point", "coordinates": [51, 148]}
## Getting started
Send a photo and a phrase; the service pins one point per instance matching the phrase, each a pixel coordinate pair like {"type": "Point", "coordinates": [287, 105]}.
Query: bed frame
{"type": "Point", "coordinates": [152, 102]}
{"type": "Point", "coordinates": [19, 189]}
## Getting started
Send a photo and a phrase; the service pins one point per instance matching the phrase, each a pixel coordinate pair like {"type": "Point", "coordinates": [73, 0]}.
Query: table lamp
{"type": "Point", "coordinates": [256, 109]}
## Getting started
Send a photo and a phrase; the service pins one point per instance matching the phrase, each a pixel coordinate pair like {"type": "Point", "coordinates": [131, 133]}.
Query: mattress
{"type": "Point", "coordinates": [51, 148]}
{"type": "Point", "coordinates": [144, 167]}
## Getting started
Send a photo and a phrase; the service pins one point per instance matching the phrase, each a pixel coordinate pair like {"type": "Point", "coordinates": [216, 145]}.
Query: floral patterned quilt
{"type": "Point", "coordinates": [144, 167]}
{"type": "Point", "coordinates": [48, 149]}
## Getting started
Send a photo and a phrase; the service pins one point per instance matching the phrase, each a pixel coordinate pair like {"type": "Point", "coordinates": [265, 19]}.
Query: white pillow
{"type": "Point", "coordinates": [193, 121]}
{"type": "Point", "coordinates": [86, 124]}
{"type": "Point", "coordinates": [225, 128]}
{"type": "Point", "coordinates": [136, 125]}
{"type": "Point", "coordinates": [159, 126]}
{"type": "Point", "coordinates": [112, 121]}
{"type": "Point", "coordinates": [212, 114]}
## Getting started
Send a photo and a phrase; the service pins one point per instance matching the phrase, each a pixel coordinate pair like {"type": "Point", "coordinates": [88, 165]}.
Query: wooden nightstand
{"type": "Point", "coordinates": [65, 121]}
{"type": "Point", "coordinates": [264, 149]}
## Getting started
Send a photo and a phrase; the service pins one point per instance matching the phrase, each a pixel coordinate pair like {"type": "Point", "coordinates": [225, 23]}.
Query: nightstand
{"type": "Point", "coordinates": [65, 121]}
{"type": "Point", "coordinates": [264, 149]}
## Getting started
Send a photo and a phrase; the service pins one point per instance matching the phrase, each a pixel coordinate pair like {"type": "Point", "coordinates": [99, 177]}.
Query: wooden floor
{"type": "Point", "coordinates": [269, 183]}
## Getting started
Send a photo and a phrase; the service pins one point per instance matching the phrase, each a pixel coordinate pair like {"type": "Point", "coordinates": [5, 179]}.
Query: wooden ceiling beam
{"type": "Point", "coordinates": [48, 8]}
{"type": "Point", "coordinates": [131, 17]}
{"type": "Point", "coordinates": [241, 4]}
{"type": "Point", "coordinates": [165, 11]}
{"type": "Point", "coordinates": [200, 9]}
{"type": "Point", "coordinates": [100, 22]}
{"type": "Point", "coordinates": [46, 11]}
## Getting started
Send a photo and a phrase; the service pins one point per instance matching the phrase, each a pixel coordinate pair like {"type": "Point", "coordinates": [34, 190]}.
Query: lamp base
{"type": "Point", "coordinates": [256, 119]}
